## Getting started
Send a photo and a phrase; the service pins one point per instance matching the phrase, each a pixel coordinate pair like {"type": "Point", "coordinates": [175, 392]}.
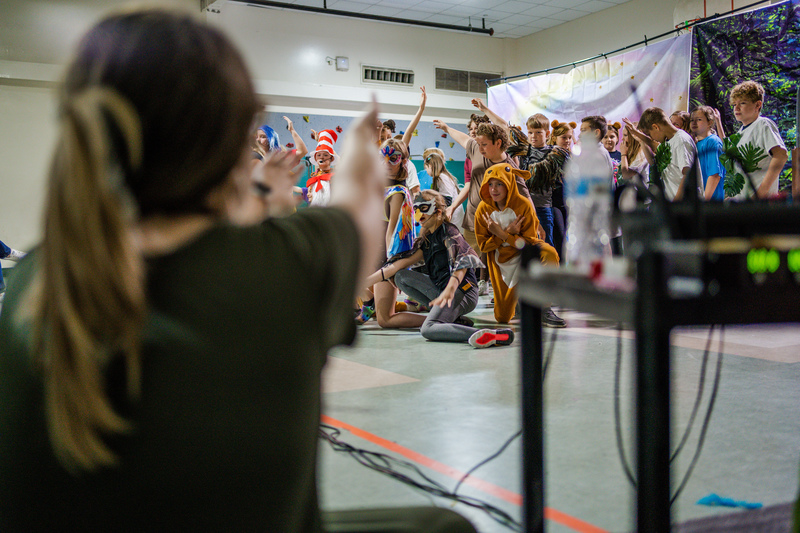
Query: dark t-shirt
{"type": "Point", "coordinates": [225, 433]}
{"type": "Point", "coordinates": [544, 197]}
{"type": "Point", "coordinates": [436, 253]}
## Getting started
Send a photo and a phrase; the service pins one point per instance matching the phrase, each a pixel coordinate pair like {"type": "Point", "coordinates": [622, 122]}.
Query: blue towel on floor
{"type": "Point", "coordinates": [715, 500]}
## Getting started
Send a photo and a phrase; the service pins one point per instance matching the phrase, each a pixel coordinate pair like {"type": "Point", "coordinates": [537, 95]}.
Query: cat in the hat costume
{"type": "Point", "coordinates": [324, 157]}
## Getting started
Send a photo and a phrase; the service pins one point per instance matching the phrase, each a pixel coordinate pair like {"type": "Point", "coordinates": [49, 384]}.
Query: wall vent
{"type": "Point", "coordinates": [448, 79]}
{"type": "Point", "coordinates": [392, 76]}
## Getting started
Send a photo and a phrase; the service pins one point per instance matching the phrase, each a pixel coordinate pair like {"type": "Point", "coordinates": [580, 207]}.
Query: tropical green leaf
{"type": "Point", "coordinates": [734, 183]}
{"type": "Point", "coordinates": [663, 157]}
{"type": "Point", "coordinates": [751, 156]}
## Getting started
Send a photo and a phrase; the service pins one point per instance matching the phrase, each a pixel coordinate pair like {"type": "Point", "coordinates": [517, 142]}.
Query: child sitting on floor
{"type": "Point", "coordinates": [446, 279]}
{"type": "Point", "coordinates": [504, 223]}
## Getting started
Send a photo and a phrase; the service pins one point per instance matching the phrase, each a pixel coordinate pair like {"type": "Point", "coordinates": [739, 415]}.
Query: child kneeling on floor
{"type": "Point", "coordinates": [504, 222]}
{"type": "Point", "coordinates": [446, 280]}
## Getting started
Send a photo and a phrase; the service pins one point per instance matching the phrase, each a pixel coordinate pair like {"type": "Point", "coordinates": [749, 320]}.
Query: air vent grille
{"type": "Point", "coordinates": [448, 79]}
{"type": "Point", "coordinates": [392, 76]}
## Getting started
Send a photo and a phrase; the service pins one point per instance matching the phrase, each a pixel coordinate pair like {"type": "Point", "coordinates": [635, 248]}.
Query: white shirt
{"type": "Point", "coordinates": [412, 180]}
{"type": "Point", "coordinates": [762, 132]}
{"type": "Point", "coordinates": [684, 152]}
{"type": "Point", "coordinates": [448, 188]}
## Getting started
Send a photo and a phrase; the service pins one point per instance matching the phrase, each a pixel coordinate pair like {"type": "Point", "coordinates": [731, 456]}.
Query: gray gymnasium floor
{"type": "Point", "coordinates": [446, 407]}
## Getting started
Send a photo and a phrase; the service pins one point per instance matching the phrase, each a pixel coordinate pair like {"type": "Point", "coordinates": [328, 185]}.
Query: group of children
{"type": "Point", "coordinates": [440, 254]}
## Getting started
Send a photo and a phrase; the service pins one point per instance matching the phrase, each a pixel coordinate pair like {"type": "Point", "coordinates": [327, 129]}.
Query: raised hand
{"type": "Point", "coordinates": [439, 124]}
{"type": "Point", "coordinates": [274, 179]}
{"type": "Point", "coordinates": [289, 124]}
{"type": "Point", "coordinates": [477, 102]}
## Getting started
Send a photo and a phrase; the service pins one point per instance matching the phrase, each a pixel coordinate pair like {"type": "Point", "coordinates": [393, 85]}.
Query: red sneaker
{"type": "Point", "coordinates": [483, 338]}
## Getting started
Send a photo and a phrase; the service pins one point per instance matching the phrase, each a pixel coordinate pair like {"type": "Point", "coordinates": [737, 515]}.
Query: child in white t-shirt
{"type": "Point", "coordinates": [674, 161]}
{"type": "Point", "coordinates": [747, 99]}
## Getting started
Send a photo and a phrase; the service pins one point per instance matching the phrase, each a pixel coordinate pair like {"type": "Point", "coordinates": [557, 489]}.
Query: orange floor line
{"type": "Point", "coordinates": [489, 488]}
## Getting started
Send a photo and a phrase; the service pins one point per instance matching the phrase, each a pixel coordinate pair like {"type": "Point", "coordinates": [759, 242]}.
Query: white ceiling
{"type": "Point", "coordinates": [508, 18]}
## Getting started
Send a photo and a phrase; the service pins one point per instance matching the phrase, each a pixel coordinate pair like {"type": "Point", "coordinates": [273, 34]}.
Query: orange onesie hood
{"type": "Point", "coordinates": [507, 174]}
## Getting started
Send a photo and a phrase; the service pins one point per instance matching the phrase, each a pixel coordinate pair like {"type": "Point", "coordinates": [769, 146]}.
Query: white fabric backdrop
{"type": "Point", "coordinates": [658, 72]}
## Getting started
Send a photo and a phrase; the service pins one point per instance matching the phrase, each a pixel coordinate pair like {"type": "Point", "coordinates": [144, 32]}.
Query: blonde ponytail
{"type": "Point", "coordinates": [87, 302]}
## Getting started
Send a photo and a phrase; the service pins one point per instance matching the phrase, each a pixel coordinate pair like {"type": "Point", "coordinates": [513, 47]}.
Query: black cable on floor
{"type": "Point", "coordinates": [704, 428]}
{"type": "Point", "coordinates": [389, 465]}
{"type": "Point", "coordinates": [491, 457]}
{"type": "Point", "coordinates": [545, 364]}
{"type": "Point", "coordinates": [617, 416]}
{"type": "Point", "coordinates": [382, 463]}
{"type": "Point", "coordinates": [700, 390]}
{"type": "Point", "coordinates": [701, 385]}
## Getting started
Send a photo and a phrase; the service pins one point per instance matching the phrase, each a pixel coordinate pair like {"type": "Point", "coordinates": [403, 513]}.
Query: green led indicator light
{"type": "Point", "coordinates": [793, 260]}
{"type": "Point", "coordinates": [761, 260]}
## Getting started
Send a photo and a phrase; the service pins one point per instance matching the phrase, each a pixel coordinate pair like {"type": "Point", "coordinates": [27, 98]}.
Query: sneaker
{"type": "Point", "coordinates": [550, 320]}
{"type": "Point", "coordinates": [465, 321]}
{"type": "Point", "coordinates": [15, 255]}
{"type": "Point", "coordinates": [416, 307]}
{"type": "Point", "coordinates": [483, 338]}
{"type": "Point", "coordinates": [483, 288]}
{"type": "Point", "coordinates": [367, 312]}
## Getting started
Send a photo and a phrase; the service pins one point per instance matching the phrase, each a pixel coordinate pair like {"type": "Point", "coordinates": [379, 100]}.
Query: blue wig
{"type": "Point", "coordinates": [273, 141]}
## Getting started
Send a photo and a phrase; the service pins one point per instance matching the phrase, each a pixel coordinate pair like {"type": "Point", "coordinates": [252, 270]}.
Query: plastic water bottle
{"type": "Point", "coordinates": [587, 187]}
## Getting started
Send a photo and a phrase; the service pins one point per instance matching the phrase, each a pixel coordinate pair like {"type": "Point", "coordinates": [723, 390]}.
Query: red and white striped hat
{"type": "Point", "coordinates": [325, 142]}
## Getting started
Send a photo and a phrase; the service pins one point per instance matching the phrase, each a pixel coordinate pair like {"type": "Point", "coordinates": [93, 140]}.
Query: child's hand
{"type": "Point", "coordinates": [623, 146]}
{"type": "Point", "coordinates": [423, 98]}
{"type": "Point", "coordinates": [515, 227]}
{"type": "Point", "coordinates": [446, 298]}
{"type": "Point", "coordinates": [449, 211]}
{"type": "Point", "coordinates": [441, 125]}
{"type": "Point", "coordinates": [636, 132]}
{"type": "Point", "coordinates": [277, 179]}
{"type": "Point", "coordinates": [289, 125]}
{"type": "Point", "coordinates": [313, 134]}
{"type": "Point", "coordinates": [477, 102]}
{"type": "Point", "coordinates": [493, 227]}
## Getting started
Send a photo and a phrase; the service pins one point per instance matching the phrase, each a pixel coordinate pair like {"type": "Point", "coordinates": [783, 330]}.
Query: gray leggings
{"type": "Point", "coordinates": [439, 326]}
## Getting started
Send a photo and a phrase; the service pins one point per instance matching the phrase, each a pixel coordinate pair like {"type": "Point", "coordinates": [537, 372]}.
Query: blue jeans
{"type": "Point", "coordinates": [545, 216]}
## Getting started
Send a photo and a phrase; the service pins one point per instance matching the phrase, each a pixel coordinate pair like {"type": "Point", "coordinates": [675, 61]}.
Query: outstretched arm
{"type": "Point", "coordinates": [386, 273]}
{"type": "Point", "coordinates": [458, 136]}
{"type": "Point", "coordinates": [494, 117]}
{"type": "Point", "coordinates": [648, 145]}
{"type": "Point", "coordinates": [458, 200]}
{"type": "Point", "coordinates": [360, 181]}
{"type": "Point", "coordinates": [423, 98]}
{"type": "Point", "coordinates": [445, 299]}
{"type": "Point", "coordinates": [718, 123]}
{"type": "Point", "coordinates": [302, 150]}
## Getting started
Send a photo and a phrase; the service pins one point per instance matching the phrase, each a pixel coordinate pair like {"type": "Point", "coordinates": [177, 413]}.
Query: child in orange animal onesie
{"type": "Point", "coordinates": [504, 222]}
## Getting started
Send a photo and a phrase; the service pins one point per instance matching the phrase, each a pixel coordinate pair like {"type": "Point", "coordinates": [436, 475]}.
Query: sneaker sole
{"type": "Point", "coordinates": [554, 324]}
{"type": "Point", "coordinates": [489, 337]}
